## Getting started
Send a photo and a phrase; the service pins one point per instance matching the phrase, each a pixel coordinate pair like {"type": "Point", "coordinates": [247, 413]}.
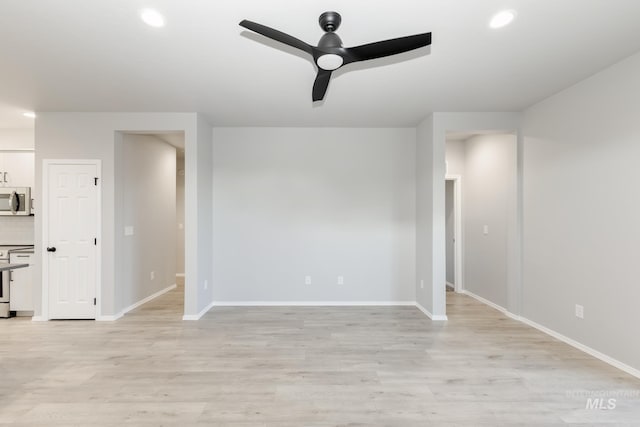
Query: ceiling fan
{"type": "Point", "coordinates": [329, 55]}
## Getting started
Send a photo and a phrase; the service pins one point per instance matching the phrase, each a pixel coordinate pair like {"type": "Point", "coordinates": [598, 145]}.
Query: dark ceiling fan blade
{"type": "Point", "coordinates": [387, 47]}
{"type": "Point", "coordinates": [277, 35]}
{"type": "Point", "coordinates": [321, 84]}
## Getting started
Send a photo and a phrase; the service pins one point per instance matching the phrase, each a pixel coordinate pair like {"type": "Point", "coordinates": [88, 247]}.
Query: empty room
{"type": "Point", "coordinates": [321, 213]}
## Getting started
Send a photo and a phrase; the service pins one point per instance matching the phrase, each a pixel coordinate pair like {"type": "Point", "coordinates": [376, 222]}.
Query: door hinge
{"type": "Point", "coordinates": [95, 241]}
{"type": "Point", "coordinates": [95, 181]}
{"type": "Point", "coordinates": [94, 301]}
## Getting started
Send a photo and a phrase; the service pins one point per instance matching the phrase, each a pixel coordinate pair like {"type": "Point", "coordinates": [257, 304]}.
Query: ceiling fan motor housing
{"type": "Point", "coordinates": [330, 21]}
{"type": "Point", "coordinates": [329, 40]}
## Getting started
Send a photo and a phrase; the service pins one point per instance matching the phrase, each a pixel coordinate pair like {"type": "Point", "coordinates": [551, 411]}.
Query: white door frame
{"type": "Point", "coordinates": [457, 231]}
{"type": "Point", "coordinates": [45, 229]}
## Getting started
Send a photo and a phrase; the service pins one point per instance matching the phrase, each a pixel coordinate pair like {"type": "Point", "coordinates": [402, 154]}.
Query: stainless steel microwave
{"type": "Point", "coordinates": [15, 201]}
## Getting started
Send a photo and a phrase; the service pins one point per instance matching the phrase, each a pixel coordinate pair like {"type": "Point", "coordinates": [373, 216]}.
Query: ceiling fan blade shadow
{"type": "Point", "coordinates": [277, 35]}
{"type": "Point", "coordinates": [387, 47]}
{"type": "Point", "coordinates": [321, 84]}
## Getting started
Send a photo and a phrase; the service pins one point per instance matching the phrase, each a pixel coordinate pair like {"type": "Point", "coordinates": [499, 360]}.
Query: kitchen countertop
{"type": "Point", "coordinates": [6, 266]}
{"type": "Point", "coordinates": [27, 250]}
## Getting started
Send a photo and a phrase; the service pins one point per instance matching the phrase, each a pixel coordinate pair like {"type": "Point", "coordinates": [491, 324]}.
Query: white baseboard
{"type": "Point", "coordinates": [39, 319]}
{"type": "Point", "coordinates": [595, 353]}
{"type": "Point", "coordinates": [199, 315]}
{"type": "Point", "coordinates": [573, 343]}
{"type": "Point", "coordinates": [310, 303]}
{"type": "Point", "coordinates": [451, 285]}
{"type": "Point", "coordinates": [110, 317]}
{"type": "Point", "coordinates": [114, 317]}
{"type": "Point", "coordinates": [428, 313]}
{"type": "Point", "coordinates": [313, 304]}
{"type": "Point", "coordinates": [149, 298]}
{"type": "Point", "coordinates": [486, 302]}
{"type": "Point", "coordinates": [179, 274]}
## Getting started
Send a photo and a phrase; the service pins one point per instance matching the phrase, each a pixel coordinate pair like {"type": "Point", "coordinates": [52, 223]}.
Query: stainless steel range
{"type": "Point", "coordinates": [5, 278]}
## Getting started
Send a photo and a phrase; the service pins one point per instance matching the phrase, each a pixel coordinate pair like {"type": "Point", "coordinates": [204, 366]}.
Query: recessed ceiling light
{"type": "Point", "coordinates": [502, 19]}
{"type": "Point", "coordinates": [29, 114]}
{"type": "Point", "coordinates": [152, 17]}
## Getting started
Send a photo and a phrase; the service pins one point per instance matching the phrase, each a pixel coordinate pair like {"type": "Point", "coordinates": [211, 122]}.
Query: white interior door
{"type": "Point", "coordinates": [71, 238]}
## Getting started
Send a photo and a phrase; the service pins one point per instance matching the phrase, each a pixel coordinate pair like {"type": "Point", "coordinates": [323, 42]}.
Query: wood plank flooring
{"type": "Point", "coordinates": [302, 366]}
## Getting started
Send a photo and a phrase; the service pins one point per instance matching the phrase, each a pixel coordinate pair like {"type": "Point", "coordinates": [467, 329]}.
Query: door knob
{"type": "Point", "coordinates": [52, 249]}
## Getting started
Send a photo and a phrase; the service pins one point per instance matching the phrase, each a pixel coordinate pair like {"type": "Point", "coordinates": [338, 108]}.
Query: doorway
{"type": "Point", "coordinates": [453, 233]}
{"type": "Point", "coordinates": [147, 210]}
{"type": "Point", "coordinates": [487, 230]}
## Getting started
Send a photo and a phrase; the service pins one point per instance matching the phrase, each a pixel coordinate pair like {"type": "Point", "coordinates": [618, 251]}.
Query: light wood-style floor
{"type": "Point", "coordinates": [302, 366]}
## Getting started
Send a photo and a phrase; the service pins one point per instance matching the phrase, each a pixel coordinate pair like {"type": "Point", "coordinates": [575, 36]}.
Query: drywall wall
{"type": "Point", "coordinates": [489, 171]}
{"type": "Point", "coordinates": [581, 210]}
{"type": "Point", "coordinates": [149, 214]}
{"type": "Point", "coordinates": [454, 155]}
{"type": "Point", "coordinates": [94, 136]}
{"type": "Point", "coordinates": [425, 222]}
{"type": "Point", "coordinates": [17, 139]}
{"type": "Point", "coordinates": [450, 231]}
{"type": "Point", "coordinates": [199, 165]}
{"type": "Point", "coordinates": [180, 173]}
{"type": "Point", "coordinates": [296, 202]}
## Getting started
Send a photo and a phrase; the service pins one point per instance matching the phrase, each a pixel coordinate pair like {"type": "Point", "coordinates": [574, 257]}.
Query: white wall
{"type": "Point", "coordinates": [149, 208]}
{"type": "Point", "coordinates": [93, 136]}
{"type": "Point", "coordinates": [455, 157]}
{"type": "Point", "coordinates": [425, 218]}
{"type": "Point", "coordinates": [296, 202]}
{"type": "Point", "coordinates": [180, 213]}
{"type": "Point", "coordinates": [17, 139]}
{"type": "Point", "coordinates": [489, 171]}
{"type": "Point", "coordinates": [199, 194]}
{"type": "Point", "coordinates": [581, 210]}
{"type": "Point", "coordinates": [450, 230]}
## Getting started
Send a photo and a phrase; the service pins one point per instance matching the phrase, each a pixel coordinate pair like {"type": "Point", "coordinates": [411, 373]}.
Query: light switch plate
{"type": "Point", "coordinates": [128, 230]}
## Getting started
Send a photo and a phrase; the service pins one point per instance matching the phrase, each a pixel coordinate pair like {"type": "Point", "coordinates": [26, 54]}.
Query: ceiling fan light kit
{"type": "Point", "coordinates": [329, 54]}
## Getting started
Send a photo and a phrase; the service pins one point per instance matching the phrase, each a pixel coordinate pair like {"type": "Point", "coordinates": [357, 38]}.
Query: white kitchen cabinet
{"type": "Point", "coordinates": [17, 169]}
{"type": "Point", "coordinates": [21, 284]}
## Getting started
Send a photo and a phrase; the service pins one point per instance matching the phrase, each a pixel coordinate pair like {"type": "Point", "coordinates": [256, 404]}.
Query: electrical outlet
{"type": "Point", "coordinates": [307, 280]}
{"type": "Point", "coordinates": [152, 275]}
{"type": "Point", "coordinates": [340, 280]}
{"type": "Point", "coordinates": [421, 284]}
{"type": "Point", "coordinates": [579, 311]}
{"type": "Point", "coordinates": [206, 284]}
{"type": "Point", "coordinates": [485, 230]}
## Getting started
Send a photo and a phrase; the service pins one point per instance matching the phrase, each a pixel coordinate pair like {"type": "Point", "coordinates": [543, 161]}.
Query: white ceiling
{"type": "Point", "coordinates": [69, 55]}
